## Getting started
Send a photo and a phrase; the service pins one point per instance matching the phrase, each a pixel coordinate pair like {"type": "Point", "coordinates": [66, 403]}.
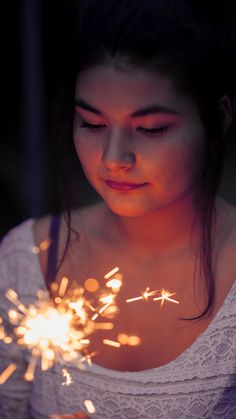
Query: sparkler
{"type": "Point", "coordinates": [58, 330]}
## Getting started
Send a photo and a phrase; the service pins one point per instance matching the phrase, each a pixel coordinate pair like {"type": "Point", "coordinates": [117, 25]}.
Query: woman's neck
{"type": "Point", "coordinates": [163, 231]}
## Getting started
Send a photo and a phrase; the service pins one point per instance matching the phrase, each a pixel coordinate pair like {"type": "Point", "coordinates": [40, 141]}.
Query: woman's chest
{"type": "Point", "coordinates": [149, 334]}
{"type": "Point", "coordinates": [151, 327]}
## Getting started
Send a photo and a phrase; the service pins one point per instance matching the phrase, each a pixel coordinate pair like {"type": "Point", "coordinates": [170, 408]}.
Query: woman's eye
{"type": "Point", "coordinates": [92, 126]}
{"type": "Point", "coordinates": [153, 131]}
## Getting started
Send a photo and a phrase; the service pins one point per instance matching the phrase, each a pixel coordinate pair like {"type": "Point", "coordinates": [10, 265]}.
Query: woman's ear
{"type": "Point", "coordinates": [224, 109]}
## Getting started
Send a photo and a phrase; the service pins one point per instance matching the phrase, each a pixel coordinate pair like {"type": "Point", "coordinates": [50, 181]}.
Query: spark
{"type": "Point", "coordinates": [88, 358]}
{"type": "Point", "coordinates": [144, 295]}
{"type": "Point", "coordinates": [91, 284]}
{"type": "Point", "coordinates": [68, 378]}
{"type": "Point", "coordinates": [63, 286]}
{"type": "Point", "coordinates": [134, 341]}
{"type": "Point", "coordinates": [114, 284]}
{"type": "Point", "coordinates": [165, 295]}
{"type": "Point", "coordinates": [104, 326]}
{"type": "Point", "coordinates": [111, 273]}
{"type": "Point", "coordinates": [89, 406]}
{"type": "Point", "coordinates": [44, 245]}
{"type": "Point", "coordinates": [107, 300]}
{"type": "Point", "coordinates": [29, 373]}
{"type": "Point", "coordinates": [111, 343]}
{"type": "Point", "coordinates": [124, 339]}
{"type": "Point", "coordinates": [7, 373]}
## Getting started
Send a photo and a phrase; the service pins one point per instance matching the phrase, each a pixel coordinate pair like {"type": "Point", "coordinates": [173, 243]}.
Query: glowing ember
{"type": "Point", "coordinates": [44, 245]}
{"type": "Point", "coordinates": [124, 339]}
{"type": "Point", "coordinates": [134, 341]}
{"type": "Point", "coordinates": [91, 285]}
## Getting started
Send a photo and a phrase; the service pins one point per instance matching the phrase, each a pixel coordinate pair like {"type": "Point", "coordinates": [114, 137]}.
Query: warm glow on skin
{"type": "Point", "coordinates": [124, 106]}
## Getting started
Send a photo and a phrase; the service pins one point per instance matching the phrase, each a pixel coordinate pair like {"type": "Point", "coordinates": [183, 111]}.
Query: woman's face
{"type": "Point", "coordinates": [141, 143]}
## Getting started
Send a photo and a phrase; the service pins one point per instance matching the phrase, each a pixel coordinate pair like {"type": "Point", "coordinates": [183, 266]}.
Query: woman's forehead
{"type": "Point", "coordinates": [134, 88]}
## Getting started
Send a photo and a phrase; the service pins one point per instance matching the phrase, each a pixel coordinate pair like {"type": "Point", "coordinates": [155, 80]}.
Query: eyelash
{"type": "Point", "coordinates": [148, 131]}
{"type": "Point", "coordinates": [154, 131]}
{"type": "Point", "coordinates": [92, 126]}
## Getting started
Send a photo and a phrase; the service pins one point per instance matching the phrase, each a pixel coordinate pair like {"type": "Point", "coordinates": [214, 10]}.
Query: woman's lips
{"type": "Point", "coordinates": [123, 186]}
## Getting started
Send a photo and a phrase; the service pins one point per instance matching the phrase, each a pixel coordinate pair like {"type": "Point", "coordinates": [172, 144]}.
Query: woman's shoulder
{"type": "Point", "coordinates": [41, 228]}
{"type": "Point", "coordinates": [18, 238]}
{"type": "Point", "coordinates": [18, 259]}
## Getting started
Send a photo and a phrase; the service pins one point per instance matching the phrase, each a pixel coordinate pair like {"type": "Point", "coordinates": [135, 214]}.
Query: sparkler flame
{"type": "Point", "coordinates": [57, 329]}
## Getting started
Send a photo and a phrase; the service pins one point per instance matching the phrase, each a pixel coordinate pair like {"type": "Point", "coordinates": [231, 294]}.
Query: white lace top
{"type": "Point", "coordinates": [200, 383]}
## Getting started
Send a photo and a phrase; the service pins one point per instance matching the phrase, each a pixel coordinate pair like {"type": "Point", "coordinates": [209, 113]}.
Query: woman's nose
{"type": "Point", "coordinates": [118, 152]}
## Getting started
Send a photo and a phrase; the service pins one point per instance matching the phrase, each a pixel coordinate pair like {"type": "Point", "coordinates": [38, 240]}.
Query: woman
{"type": "Point", "coordinates": [152, 84]}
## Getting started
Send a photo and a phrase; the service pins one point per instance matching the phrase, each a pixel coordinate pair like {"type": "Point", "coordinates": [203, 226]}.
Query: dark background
{"type": "Point", "coordinates": [33, 35]}
{"type": "Point", "coordinates": [33, 40]}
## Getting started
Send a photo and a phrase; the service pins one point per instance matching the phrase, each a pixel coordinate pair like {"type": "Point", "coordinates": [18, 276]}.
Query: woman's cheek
{"type": "Point", "coordinates": [88, 152]}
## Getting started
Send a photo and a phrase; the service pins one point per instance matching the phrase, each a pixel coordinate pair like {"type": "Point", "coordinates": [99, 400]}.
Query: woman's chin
{"type": "Point", "coordinates": [127, 210]}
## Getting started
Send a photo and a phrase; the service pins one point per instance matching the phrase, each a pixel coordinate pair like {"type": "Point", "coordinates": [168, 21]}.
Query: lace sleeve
{"type": "Point", "coordinates": [14, 393]}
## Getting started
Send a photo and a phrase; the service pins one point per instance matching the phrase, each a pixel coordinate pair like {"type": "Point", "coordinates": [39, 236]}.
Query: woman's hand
{"type": "Point", "coordinates": [76, 415]}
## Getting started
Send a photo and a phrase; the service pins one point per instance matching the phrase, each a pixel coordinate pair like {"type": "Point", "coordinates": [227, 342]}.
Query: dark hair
{"type": "Point", "coordinates": [190, 41]}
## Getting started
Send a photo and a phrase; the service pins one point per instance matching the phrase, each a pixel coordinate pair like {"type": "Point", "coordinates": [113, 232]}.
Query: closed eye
{"type": "Point", "coordinates": [92, 126]}
{"type": "Point", "coordinates": [153, 131]}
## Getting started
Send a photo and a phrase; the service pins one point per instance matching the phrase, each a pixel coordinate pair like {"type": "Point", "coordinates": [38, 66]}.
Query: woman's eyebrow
{"type": "Point", "coordinates": [149, 110]}
{"type": "Point", "coordinates": [154, 109]}
{"type": "Point", "coordinates": [84, 105]}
